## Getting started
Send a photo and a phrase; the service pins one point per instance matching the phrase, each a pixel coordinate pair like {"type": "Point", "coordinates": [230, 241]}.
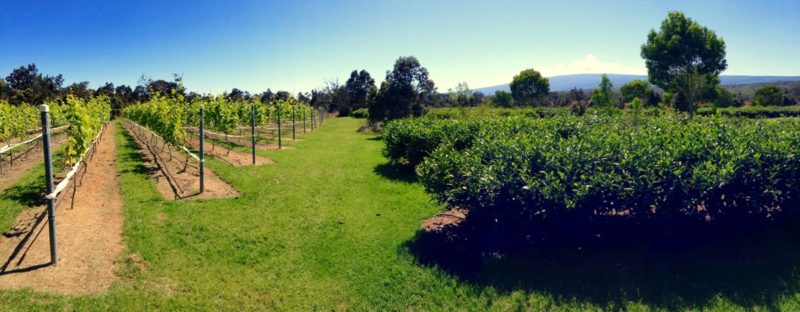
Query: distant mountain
{"type": "Point", "coordinates": [589, 81]}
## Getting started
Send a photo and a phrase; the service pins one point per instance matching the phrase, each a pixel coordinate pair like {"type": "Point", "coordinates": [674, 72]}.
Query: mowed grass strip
{"type": "Point", "coordinates": [327, 228]}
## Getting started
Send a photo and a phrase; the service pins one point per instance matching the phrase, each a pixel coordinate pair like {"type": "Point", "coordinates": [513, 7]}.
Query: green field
{"type": "Point", "coordinates": [331, 227]}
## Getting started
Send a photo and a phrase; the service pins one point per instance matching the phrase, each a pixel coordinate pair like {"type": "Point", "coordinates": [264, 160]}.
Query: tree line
{"type": "Point", "coordinates": [26, 85]}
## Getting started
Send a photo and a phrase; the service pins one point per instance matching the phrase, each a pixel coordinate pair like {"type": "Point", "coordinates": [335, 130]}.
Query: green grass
{"type": "Point", "coordinates": [329, 228]}
{"type": "Point", "coordinates": [26, 191]}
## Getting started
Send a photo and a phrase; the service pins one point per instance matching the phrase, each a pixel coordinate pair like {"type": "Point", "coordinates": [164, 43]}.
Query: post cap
{"type": "Point", "coordinates": [44, 108]}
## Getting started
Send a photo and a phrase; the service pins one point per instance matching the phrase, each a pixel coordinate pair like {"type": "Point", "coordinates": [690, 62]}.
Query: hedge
{"type": "Point", "coordinates": [753, 111]}
{"type": "Point", "coordinates": [595, 169]}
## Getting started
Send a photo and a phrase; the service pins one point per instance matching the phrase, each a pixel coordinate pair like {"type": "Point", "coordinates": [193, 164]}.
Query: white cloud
{"type": "Point", "coordinates": [590, 64]}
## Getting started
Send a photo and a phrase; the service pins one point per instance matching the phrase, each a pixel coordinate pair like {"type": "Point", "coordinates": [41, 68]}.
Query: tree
{"type": "Point", "coordinates": [282, 95]}
{"type": "Point", "coordinates": [358, 87]}
{"type": "Point", "coordinates": [406, 91]}
{"type": "Point", "coordinates": [267, 96]}
{"type": "Point", "coordinates": [529, 87]}
{"type": "Point", "coordinates": [26, 85]}
{"type": "Point", "coordinates": [5, 91]}
{"type": "Point", "coordinates": [724, 98]}
{"type": "Point", "coordinates": [237, 95]}
{"type": "Point", "coordinates": [603, 95]}
{"type": "Point", "coordinates": [635, 89]}
{"type": "Point", "coordinates": [105, 90]}
{"type": "Point", "coordinates": [164, 88]}
{"type": "Point", "coordinates": [684, 57]}
{"type": "Point", "coordinates": [461, 96]}
{"type": "Point", "coordinates": [503, 99]}
{"type": "Point", "coordinates": [576, 95]}
{"type": "Point", "coordinates": [80, 89]}
{"type": "Point", "coordinates": [376, 110]}
{"type": "Point", "coordinates": [140, 94]}
{"type": "Point", "coordinates": [340, 98]}
{"type": "Point", "coordinates": [768, 96]}
{"type": "Point", "coordinates": [477, 98]}
{"type": "Point", "coordinates": [303, 97]}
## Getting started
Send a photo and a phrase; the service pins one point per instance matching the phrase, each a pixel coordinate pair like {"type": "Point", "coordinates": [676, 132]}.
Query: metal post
{"type": "Point", "coordinates": [293, 122]}
{"type": "Point", "coordinates": [202, 148]}
{"type": "Point", "coordinates": [313, 121]}
{"type": "Point", "coordinates": [48, 178]}
{"type": "Point", "coordinates": [279, 127]}
{"type": "Point", "coordinates": [253, 131]}
{"type": "Point", "coordinates": [304, 120]}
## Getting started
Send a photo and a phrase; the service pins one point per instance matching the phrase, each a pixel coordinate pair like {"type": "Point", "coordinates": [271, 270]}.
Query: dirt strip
{"type": "Point", "coordinates": [89, 234]}
{"type": "Point", "coordinates": [261, 142]}
{"type": "Point", "coordinates": [235, 158]}
{"type": "Point", "coordinates": [175, 174]}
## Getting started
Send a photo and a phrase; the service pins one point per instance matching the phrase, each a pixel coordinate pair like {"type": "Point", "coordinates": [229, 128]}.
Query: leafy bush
{"type": "Point", "coordinates": [483, 111]}
{"type": "Point", "coordinates": [360, 113]}
{"type": "Point", "coordinates": [408, 141]}
{"type": "Point", "coordinates": [768, 96]}
{"type": "Point", "coordinates": [753, 111]}
{"type": "Point", "coordinates": [568, 172]}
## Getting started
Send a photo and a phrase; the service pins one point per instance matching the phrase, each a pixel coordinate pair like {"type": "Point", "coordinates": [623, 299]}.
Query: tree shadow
{"type": "Point", "coordinates": [397, 172]}
{"type": "Point", "coordinates": [133, 155]}
{"type": "Point", "coordinates": [749, 267]}
{"type": "Point", "coordinates": [29, 193]}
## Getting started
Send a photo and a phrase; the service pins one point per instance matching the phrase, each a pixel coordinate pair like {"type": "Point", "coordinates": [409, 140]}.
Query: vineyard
{"type": "Point", "coordinates": [487, 188]}
{"type": "Point", "coordinates": [168, 133]}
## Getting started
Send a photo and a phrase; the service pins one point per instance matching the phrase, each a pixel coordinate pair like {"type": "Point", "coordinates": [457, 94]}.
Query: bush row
{"type": "Point", "coordinates": [541, 173]}
{"type": "Point", "coordinates": [753, 111]}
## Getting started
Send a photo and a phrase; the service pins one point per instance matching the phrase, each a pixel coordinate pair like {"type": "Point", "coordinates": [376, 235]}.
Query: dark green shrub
{"type": "Point", "coordinates": [568, 172]}
{"type": "Point", "coordinates": [753, 111]}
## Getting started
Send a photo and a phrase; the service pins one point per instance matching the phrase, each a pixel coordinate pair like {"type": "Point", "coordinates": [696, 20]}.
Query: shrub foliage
{"type": "Point", "coordinates": [520, 173]}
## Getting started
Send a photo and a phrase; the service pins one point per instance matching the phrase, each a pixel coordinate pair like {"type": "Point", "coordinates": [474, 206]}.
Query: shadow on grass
{"type": "Point", "coordinates": [29, 193]}
{"type": "Point", "coordinates": [132, 154]}
{"type": "Point", "coordinates": [753, 269]}
{"type": "Point", "coordinates": [397, 172]}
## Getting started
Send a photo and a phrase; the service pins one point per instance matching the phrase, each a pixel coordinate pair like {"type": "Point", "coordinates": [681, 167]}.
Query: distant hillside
{"type": "Point", "coordinates": [589, 81]}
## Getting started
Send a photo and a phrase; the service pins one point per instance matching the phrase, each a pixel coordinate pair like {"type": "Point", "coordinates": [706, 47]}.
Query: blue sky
{"type": "Point", "coordinates": [298, 45]}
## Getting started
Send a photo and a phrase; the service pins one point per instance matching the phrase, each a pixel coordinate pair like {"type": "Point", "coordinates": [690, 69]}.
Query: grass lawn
{"type": "Point", "coordinates": [328, 228]}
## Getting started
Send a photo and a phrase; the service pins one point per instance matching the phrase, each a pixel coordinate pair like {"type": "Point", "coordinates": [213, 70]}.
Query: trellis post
{"type": "Point", "coordinates": [48, 178]}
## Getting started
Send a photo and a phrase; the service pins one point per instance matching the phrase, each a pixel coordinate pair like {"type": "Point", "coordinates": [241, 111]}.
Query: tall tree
{"type": "Point", "coordinates": [684, 57]}
{"type": "Point", "coordinates": [406, 92]}
{"type": "Point", "coordinates": [603, 95]}
{"type": "Point", "coordinates": [26, 85]}
{"type": "Point", "coordinates": [282, 95]}
{"type": "Point", "coordinates": [529, 87]}
{"type": "Point", "coordinates": [267, 96]}
{"type": "Point", "coordinates": [80, 89]}
{"type": "Point", "coordinates": [635, 89]}
{"type": "Point", "coordinates": [358, 86]}
{"type": "Point", "coordinates": [105, 90]}
{"type": "Point", "coordinates": [768, 96]}
{"type": "Point", "coordinates": [461, 96]}
{"type": "Point", "coordinates": [503, 99]}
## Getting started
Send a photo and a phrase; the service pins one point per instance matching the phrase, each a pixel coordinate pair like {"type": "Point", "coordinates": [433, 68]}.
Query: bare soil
{"type": "Point", "coordinates": [89, 223]}
{"type": "Point", "coordinates": [444, 221]}
{"type": "Point", "coordinates": [235, 158]}
{"type": "Point", "coordinates": [175, 174]}
{"type": "Point", "coordinates": [25, 159]}
{"type": "Point", "coordinates": [262, 142]}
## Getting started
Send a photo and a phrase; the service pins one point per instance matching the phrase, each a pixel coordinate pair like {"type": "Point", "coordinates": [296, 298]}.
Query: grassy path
{"type": "Point", "coordinates": [323, 229]}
